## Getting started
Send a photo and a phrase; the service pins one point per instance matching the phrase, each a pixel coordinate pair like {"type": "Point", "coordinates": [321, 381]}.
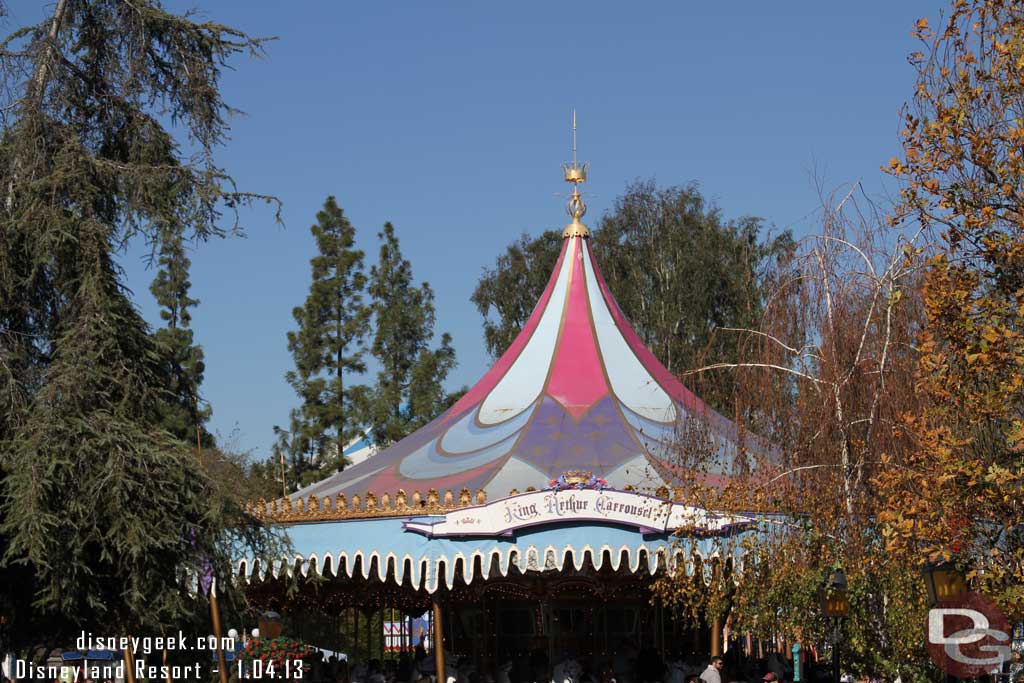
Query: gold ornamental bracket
{"type": "Point", "coordinates": [575, 173]}
{"type": "Point", "coordinates": [577, 476]}
{"type": "Point", "coordinates": [370, 506]}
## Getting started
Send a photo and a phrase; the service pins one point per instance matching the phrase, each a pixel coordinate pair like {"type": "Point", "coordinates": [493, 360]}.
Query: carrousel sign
{"type": "Point", "coordinates": [503, 517]}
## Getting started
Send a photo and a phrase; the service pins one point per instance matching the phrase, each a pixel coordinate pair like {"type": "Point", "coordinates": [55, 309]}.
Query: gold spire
{"type": "Point", "coordinates": [575, 174]}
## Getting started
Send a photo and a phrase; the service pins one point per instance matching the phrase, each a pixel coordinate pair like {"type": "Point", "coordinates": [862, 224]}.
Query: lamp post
{"type": "Point", "coordinates": [944, 581]}
{"type": "Point", "coordinates": [835, 604]}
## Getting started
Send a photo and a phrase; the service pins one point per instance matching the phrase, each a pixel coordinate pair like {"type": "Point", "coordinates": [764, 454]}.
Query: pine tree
{"type": "Point", "coordinates": [182, 414]}
{"type": "Point", "coordinates": [513, 287]}
{"type": "Point", "coordinates": [94, 426]}
{"type": "Point", "coordinates": [100, 507]}
{"type": "Point", "coordinates": [328, 344]}
{"type": "Point", "coordinates": [409, 390]}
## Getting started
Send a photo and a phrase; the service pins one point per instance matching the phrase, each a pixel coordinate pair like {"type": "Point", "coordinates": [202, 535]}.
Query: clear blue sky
{"type": "Point", "coordinates": [451, 120]}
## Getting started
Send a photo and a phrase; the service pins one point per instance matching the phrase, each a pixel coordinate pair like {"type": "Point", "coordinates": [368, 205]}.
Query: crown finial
{"type": "Point", "coordinates": [575, 173]}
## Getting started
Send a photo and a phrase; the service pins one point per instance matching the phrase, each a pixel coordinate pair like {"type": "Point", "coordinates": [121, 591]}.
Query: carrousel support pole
{"type": "Point", "coordinates": [222, 665]}
{"type": "Point", "coordinates": [129, 665]}
{"type": "Point", "coordinates": [167, 669]}
{"type": "Point", "coordinates": [716, 636]}
{"type": "Point", "coordinates": [439, 643]}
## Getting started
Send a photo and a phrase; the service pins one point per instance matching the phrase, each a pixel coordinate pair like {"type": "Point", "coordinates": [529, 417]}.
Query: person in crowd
{"type": "Point", "coordinates": [650, 668]}
{"type": "Point", "coordinates": [774, 664]}
{"type": "Point", "coordinates": [540, 669]}
{"type": "Point", "coordinates": [403, 674]}
{"type": "Point", "coordinates": [375, 674]}
{"type": "Point", "coordinates": [359, 672]}
{"type": "Point", "coordinates": [342, 674]}
{"type": "Point", "coordinates": [713, 674]}
{"type": "Point", "coordinates": [503, 674]}
{"type": "Point", "coordinates": [608, 674]}
{"type": "Point", "coordinates": [624, 661]}
{"type": "Point", "coordinates": [423, 666]}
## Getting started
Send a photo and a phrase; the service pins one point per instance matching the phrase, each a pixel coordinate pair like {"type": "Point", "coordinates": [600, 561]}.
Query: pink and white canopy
{"type": "Point", "coordinates": [576, 390]}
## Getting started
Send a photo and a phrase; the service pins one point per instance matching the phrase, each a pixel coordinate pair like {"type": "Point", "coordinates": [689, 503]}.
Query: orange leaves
{"type": "Point", "coordinates": [921, 30]}
{"type": "Point", "coordinates": [992, 335]}
{"type": "Point", "coordinates": [963, 166]}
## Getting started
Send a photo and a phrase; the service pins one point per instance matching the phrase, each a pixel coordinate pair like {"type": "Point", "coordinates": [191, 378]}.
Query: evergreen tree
{"type": "Point", "coordinates": [514, 286]}
{"type": "Point", "coordinates": [290, 450]}
{"type": "Point", "coordinates": [103, 510]}
{"type": "Point", "coordinates": [409, 390]}
{"type": "Point", "coordinates": [182, 414]}
{"type": "Point", "coordinates": [681, 272]}
{"type": "Point", "coordinates": [327, 345]}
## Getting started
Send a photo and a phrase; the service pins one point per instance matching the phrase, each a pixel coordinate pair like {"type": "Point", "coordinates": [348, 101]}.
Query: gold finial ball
{"type": "Point", "coordinates": [576, 208]}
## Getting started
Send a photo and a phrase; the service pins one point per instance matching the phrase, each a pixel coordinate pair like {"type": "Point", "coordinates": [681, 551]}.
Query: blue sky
{"type": "Point", "coordinates": [451, 119]}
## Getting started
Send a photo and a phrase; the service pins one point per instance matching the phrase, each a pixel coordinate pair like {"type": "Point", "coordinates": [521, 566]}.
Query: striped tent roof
{"type": "Point", "coordinates": [576, 390]}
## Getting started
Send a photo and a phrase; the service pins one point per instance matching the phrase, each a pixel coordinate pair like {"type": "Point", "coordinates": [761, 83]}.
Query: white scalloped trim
{"type": "Point", "coordinates": [430, 571]}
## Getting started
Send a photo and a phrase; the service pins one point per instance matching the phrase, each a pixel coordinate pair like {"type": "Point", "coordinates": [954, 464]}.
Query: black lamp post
{"type": "Point", "coordinates": [944, 581]}
{"type": "Point", "coordinates": [835, 604]}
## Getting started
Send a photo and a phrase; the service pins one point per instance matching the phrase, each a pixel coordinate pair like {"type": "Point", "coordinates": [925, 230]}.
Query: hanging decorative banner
{"type": "Point", "coordinates": [505, 516]}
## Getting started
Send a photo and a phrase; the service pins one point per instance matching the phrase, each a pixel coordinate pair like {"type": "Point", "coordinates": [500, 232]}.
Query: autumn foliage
{"type": "Point", "coordinates": [963, 173]}
{"type": "Point", "coordinates": [825, 377]}
{"type": "Point", "coordinates": [887, 370]}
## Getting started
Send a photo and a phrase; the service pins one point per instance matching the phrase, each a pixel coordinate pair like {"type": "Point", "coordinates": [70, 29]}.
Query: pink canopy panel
{"type": "Point", "coordinates": [576, 390]}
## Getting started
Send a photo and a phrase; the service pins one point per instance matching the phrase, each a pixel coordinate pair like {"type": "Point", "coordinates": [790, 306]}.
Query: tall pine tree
{"type": "Point", "coordinates": [182, 413]}
{"type": "Point", "coordinates": [409, 390]}
{"type": "Point", "coordinates": [327, 346]}
{"type": "Point", "coordinates": [100, 507]}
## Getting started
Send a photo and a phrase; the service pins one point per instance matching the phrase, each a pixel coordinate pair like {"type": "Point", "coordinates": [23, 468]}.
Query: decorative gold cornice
{"type": "Point", "coordinates": [371, 506]}
{"type": "Point", "coordinates": [315, 509]}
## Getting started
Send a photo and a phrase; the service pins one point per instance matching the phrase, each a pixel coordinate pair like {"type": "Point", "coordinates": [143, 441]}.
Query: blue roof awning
{"type": "Point", "coordinates": [383, 547]}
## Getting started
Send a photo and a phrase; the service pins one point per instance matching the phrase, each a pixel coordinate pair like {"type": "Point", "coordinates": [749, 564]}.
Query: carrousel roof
{"type": "Point", "coordinates": [576, 390]}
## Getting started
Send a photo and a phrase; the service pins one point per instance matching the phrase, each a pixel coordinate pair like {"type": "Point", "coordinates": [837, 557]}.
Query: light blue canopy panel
{"type": "Point", "coordinates": [384, 547]}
